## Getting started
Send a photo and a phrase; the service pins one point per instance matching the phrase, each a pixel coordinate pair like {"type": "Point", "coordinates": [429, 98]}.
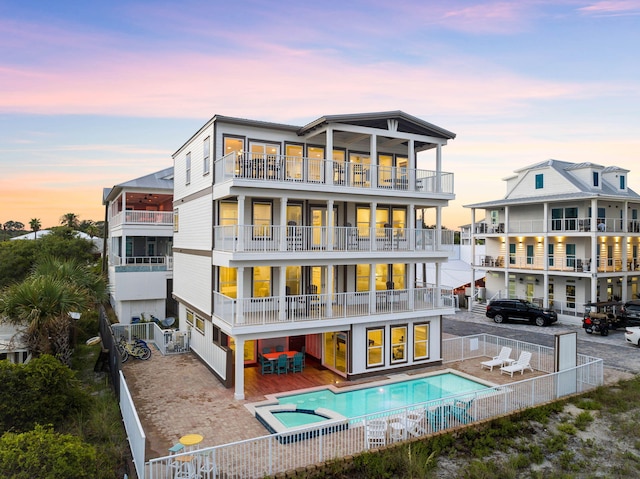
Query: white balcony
{"type": "Point", "coordinates": [142, 217]}
{"type": "Point", "coordinates": [142, 263]}
{"type": "Point", "coordinates": [317, 307]}
{"type": "Point", "coordinates": [254, 238]}
{"type": "Point", "coordinates": [292, 170]}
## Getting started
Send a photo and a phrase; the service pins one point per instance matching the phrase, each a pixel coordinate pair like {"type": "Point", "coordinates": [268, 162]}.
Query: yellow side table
{"type": "Point", "coordinates": [191, 440]}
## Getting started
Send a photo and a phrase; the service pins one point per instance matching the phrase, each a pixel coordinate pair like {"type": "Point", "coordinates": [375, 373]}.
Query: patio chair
{"type": "Point", "coordinates": [376, 433]}
{"type": "Point", "coordinates": [460, 411]}
{"type": "Point", "coordinates": [279, 349]}
{"type": "Point", "coordinates": [297, 365]}
{"type": "Point", "coordinates": [438, 417]}
{"type": "Point", "coordinates": [266, 365]}
{"type": "Point", "coordinates": [520, 365]}
{"type": "Point", "coordinates": [266, 350]}
{"type": "Point", "coordinates": [207, 467]}
{"type": "Point", "coordinates": [282, 366]}
{"type": "Point", "coordinates": [416, 419]}
{"type": "Point", "coordinates": [499, 360]}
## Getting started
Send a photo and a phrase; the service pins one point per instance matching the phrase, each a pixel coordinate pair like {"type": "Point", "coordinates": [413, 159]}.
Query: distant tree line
{"type": "Point", "coordinates": [11, 229]}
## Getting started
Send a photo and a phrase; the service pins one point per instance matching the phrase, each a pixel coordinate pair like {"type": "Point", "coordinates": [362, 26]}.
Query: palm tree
{"type": "Point", "coordinates": [42, 304]}
{"type": "Point", "coordinates": [35, 226]}
{"type": "Point", "coordinates": [43, 301]}
{"type": "Point", "coordinates": [70, 220]}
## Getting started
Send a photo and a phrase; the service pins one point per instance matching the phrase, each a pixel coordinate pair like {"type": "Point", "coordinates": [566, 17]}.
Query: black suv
{"type": "Point", "coordinates": [630, 313]}
{"type": "Point", "coordinates": [501, 310]}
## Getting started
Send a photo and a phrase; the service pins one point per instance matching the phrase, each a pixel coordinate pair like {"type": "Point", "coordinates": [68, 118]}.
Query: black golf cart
{"type": "Point", "coordinates": [602, 316]}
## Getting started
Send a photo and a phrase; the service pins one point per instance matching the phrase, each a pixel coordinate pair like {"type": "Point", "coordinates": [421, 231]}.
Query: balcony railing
{"type": "Point", "coordinates": [252, 238]}
{"type": "Point", "coordinates": [559, 225]}
{"type": "Point", "coordinates": [313, 307]}
{"type": "Point", "coordinates": [163, 218]}
{"type": "Point", "coordinates": [142, 263]}
{"type": "Point", "coordinates": [557, 263]}
{"type": "Point", "coordinates": [294, 169]}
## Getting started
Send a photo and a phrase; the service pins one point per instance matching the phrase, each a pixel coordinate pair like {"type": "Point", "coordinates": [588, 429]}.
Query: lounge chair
{"type": "Point", "coordinates": [500, 360]}
{"type": "Point", "coordinates": [438, 417]}
{"type": "Point", "coordinates": [376, 433]}
{"type": "Point", "coordinates": [520, 365]}
{"type": "Point", "coordinates": [460, 410]}
{"type": "Point", "coordinates": [415, 421]}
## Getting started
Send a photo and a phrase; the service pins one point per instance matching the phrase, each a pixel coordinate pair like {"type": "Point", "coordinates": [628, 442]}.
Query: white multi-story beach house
{"type": "Point", "coordinates": [564, 235]}
{"type": "Point", "coordinates": [139, 223]}
{"type": "Point", "coordinates": [307, 238]}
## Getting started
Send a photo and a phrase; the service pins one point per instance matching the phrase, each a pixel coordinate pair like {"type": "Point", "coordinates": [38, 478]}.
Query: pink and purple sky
{"type": "Point", "coordinates": [93, 94]}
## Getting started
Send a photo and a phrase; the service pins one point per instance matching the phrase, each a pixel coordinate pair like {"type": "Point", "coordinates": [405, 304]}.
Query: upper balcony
{"type": "Point", "coordinates": [282, 169]}
{"type": "Point", "coordinates": [142, 217]}
{"type": "Point", "coordinates": [558, 226]}
{"type": "Point", "coordinates": [141, 263]}
{"type": "Point", "coordinates": [259, 238]}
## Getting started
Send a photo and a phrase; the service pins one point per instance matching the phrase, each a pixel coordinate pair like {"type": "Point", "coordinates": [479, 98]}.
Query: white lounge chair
{"type": "Point", "coordinates": [500, 360]}
{"type": "Point", "coordinates": [520, 365]}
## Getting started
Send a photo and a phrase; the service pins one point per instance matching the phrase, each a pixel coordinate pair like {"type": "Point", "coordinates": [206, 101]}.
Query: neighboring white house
{"type": "Point", "coordinates": [139, 246]}
{"type": "Point", "coordinates": [307, 237]}
{"type": "Point", "coordinates": [565, 234]}
{"type": "Point", "coordinates": [11, 345]}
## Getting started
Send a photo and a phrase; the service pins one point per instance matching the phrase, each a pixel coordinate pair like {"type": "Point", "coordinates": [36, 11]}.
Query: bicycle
{"type": "Point", "coordinates": [136, 350]}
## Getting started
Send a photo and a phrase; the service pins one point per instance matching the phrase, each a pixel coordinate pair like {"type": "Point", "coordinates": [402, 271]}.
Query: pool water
{"type": "Point", "coordinates": [298, 418]}
{"type": "Point", "coordinates": [370, 400]}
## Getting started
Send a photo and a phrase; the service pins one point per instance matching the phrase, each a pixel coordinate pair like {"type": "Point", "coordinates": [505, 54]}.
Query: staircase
{"type": "Point", "coordinates": [479, 308]}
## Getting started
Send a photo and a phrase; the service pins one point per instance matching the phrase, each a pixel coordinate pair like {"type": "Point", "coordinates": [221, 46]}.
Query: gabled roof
{"type": "Point", "coordinates": [406, 123]}
{"type": "Point", "coordinates": [160, 180]}
{"type": "Point", "coordinates": [563, 168]}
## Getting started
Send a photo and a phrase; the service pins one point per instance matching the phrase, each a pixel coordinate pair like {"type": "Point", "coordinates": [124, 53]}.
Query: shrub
{"type": "Point", "coordinates": [43, 391]}
{"type": "Point", "coordinates": [45, 454]}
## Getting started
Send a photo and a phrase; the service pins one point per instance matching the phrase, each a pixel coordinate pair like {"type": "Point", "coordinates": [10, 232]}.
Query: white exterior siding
{"type": "Point", "coordinates": [192, 281]}
{"type": "Point", "coordinates": [196, 220]}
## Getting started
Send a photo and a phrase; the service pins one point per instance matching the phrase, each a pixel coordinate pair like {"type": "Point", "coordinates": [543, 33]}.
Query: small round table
{"type": "Point", "coordinates": [191, 440]}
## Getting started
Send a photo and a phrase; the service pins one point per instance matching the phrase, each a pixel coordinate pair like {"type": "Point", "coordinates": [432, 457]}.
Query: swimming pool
{"type": "Point", "coordinates": [368, 400]}
{"type": "Point", "coordinates": [308, 408]}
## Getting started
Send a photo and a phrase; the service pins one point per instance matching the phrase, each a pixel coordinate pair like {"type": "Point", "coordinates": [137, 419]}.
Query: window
{"type": "Point", "coordinates": [398, 344]}
{"type": "Point", "coordinates": [175, 220]}
{"type": "Point", "coordinates": [512, 253]}
{"type": "Point", "coordinates": [564, 219]}
{"type": "Point", "coordinates": [188, 168]}
{"type": "Point", "coordinates": [622, 182]}
{"type": "Point", "coordinates": [315, 163]}
{"type": "Point", "coordinates": [199, 324]}
{"type": "Point", "coordinates": [420, 341]}
{"type": "Point", "coordinates": [261, 281]}
{"type": "Point", "coordinates": [529, 254]}
{"type": "Point", "coordinates": [550, 294]}
{"type": "Point", "coordinates": [375, 347]}
{"type": "Point", "coordinates": [205, 156]}
{"type": "Point", "coordinates": [539, 181]}
{"type": "Point", "coordinates": [596, 178]}
{"type": "Point", "coordinates": [550, 251]}
{"type": "Point", "coordinates": [293, 280]}
{"type": "Point", "coordinates": [261, 219]}
{"type": "Point", "coordinates": [228, 281]}
{"type": "Point", "coordinates": [362, 277]}
{"type": "Point", "coordinates": [190, 317]}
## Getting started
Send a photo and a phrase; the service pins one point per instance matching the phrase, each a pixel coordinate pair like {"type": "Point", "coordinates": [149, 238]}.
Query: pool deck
{"type": "Point", "coordinates": [178, 395]}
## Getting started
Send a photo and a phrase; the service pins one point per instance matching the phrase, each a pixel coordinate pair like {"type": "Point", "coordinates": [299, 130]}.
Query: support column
{"type": "Point", "coordinates": [373, 148]}
{"type": "Point", "coordinates": [438, 239]}
{"type": "Point", "coordinates": [372, 287]}
{"type": "Point", "coordinates": [412, 167]}
{"type": "Point", "coordinates": [472, 239]}
{"type": "Point", "coordinates": [329, 166]}
{"type": "Point", "coordinates": [411, 228]}
{"type": "Point", "coordinates": [328, 307]}
{"type": "Point", "coordinates": [439, 169]}
{"type": "Point", "coordinates": [412, 285]}
{"type": "Point", "coordinates": [240, 296]}
{"type": "Point", "coordinates": [330, 225]}
{"type": "Point", "coordinates": [373, 228]}
{"type": "Point", "coordinates": [239, 369]}
{"type": "Point", "coordinates": [241, 224]}
{"type": "Point", "coordinates": [283, 234]}
{"type": "Point", "coordinates": [282, 293]}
